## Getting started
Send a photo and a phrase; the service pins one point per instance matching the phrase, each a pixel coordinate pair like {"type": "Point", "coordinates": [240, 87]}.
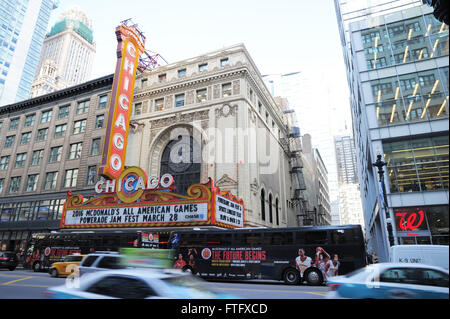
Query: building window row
{"type": "Point", "coordinates": [406, 41]}
{"type": "Point", "coordinates": [60, 130]}
{"type": "Point", "coordinates": [183, 71]}
{"type": "Point", "coordinates": [62, 112]}
{"type": "Point", "coordinates": [179, 100]}
{"type": "Point", "coordinates": [271, 205]}
{"type": "Point", "coordinates": [417, 165]}
{"type": "Point", "coordinates": [33, 210]}
{"type": "Point", "coordinates": [50, 181]}
{"type": "Point", "coordinates": [55, 155]}
{"type": "Point", "coordinates": [412, 97]}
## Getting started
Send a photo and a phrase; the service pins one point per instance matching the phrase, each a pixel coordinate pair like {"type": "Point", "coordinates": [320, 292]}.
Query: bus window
{"type": "Point", "coordinates": [247, 239]}
{"type": "Point", "coordinates": [300, 238]}
{"type": "Point", "coordinates": [218, 239]}
{"type": "Point", "coordinates": [344, 236]}
{"type": "Point", "coordinates": [285, 238]}
{"type": "Point", "coordinates": [316, 238]}
{"type": "Point", "coordinates": [192, 239]}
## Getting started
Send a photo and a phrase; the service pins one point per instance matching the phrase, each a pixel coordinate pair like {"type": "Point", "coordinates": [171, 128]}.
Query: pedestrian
{"type": "Point", "coordinates": [374, 258]}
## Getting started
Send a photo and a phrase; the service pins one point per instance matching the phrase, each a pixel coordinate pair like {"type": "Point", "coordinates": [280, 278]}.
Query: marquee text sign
{"type": "Point", "coordinates": [129, 48]}
{"type": "Point", "coordinates": [134, 200]}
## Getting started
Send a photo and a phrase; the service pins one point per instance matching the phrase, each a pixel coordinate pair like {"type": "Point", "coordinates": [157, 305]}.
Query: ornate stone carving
{"type": "Point", "coordinates": [136, 126]}
{"type": "Point", "coordinates": [226, 110]}
{"type": "Point", "coordinates": [168, 102]}
{"type": "Point", "coordinates": [254, 187]}
{"type": "Point", "coordinates": [190, 97]}
{"type": "Point", "coordinates": [251, 115]}
{"type": "Point", "coordinates": [236, 87]}
{"type": "Point", "coordinates": [216, 92]}
{"type": "Point", "coordinates": [225, 181]}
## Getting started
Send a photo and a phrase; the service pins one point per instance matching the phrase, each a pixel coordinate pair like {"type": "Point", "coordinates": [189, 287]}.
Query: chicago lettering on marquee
{"type": "Point", "coordinates": [129, 48]}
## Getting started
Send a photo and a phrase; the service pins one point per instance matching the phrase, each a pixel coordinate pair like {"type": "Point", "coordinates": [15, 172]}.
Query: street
{"type": "Point", "coordinates": [26, 284]}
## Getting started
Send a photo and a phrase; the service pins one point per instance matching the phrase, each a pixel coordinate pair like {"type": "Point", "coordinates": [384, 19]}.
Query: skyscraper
{"type": "Point", "coordinates": [23, 24]}
{"type": "Point", "coordinates": [350, 207]}
{"type": "Point", "coordinates": [67, 54]}
{"type": "Point", "coordinates": [346, 159]}
{"type": "Point", "coordinates": [396, 54]}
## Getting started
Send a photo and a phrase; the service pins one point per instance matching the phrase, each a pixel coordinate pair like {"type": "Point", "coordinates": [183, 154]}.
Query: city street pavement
{"type": "Point", "coordinates": [26, 284]}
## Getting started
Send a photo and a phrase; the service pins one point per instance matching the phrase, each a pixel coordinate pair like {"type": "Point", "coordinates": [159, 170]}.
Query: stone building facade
{"type": "Point", "coordinates": [214, 109]}
{"type": "Point", "coordinates": [238, 132]}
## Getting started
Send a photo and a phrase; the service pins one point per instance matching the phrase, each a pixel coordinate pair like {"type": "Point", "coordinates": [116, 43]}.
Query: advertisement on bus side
{"type": "Point", "coordinates": [257, 262]}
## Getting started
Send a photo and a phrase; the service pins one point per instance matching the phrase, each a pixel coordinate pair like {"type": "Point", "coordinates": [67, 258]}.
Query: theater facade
{"type": "Point", "coordinates": [208, 120]}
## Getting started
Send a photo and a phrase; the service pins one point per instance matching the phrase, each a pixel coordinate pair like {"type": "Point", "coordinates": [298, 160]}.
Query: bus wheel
{"type": "Point", "coordinates": [36, 266]}
{"type": "Point", "coordinates": [291, 276]}
{"type": "Point", "coordinates": [314, 277]}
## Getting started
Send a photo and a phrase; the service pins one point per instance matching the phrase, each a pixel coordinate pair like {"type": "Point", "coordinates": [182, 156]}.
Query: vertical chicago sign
{"type": "Point", "coordinates": [131, 44]}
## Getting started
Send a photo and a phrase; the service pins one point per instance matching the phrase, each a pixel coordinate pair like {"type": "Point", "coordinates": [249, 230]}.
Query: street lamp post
{"type": "Point", "coordinates": [379, 164]}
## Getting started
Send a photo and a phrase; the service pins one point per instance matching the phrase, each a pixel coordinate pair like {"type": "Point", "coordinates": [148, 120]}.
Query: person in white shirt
{"type": "Point", "coordinates": [302, 262]}
{"type": "Point", "coordinates": [333, 267]}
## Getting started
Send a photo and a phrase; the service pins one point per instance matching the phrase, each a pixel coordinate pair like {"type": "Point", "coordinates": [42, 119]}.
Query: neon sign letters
{"type": "Point", "coordinates": [131, 184]}
{"type": "Point", "coordinates": [409, 221]}
{"type": "Point", "coordinates": [129, 48]}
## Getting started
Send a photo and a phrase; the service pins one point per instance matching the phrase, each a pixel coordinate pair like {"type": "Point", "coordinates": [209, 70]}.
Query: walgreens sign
{"type": "Point", "coordinates": [130, 47]}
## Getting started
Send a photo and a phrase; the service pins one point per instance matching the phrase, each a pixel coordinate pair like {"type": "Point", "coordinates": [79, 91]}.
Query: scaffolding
{"type": "Point", "coordinates": [148, 59]}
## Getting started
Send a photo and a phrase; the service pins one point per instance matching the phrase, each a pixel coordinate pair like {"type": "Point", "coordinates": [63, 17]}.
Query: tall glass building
{"type": "Point", "coordinates": [396, 54]}
{"type": "Point", "coordinates": [23, 24]}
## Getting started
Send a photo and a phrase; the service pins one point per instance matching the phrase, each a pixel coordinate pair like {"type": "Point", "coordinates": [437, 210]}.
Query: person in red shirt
{"type": "Point", "coordinates": [179, 263]}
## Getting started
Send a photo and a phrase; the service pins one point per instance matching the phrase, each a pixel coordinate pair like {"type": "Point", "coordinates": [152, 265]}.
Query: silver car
{"type": "Point", "coordinates": [100, 261]}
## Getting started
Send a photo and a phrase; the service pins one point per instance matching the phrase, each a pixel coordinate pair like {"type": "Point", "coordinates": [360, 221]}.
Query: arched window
{"type": "Point", "coordinates": [270, 209]}
{"type": "Point", "coordinates": [178, 160]}
{"type": "Point", "coordinates": [277, 203]}
{"type": "Point", "coordinates": [263, 205]}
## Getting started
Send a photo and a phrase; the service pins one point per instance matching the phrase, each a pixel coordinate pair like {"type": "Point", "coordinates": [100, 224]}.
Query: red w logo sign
{"type": "Point", "coordinates": [410, 221]}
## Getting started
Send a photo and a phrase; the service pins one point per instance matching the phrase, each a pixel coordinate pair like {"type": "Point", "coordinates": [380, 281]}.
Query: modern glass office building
{"type": "Point", "coordinates": [23, 24]}
{"type": "Point", "coordinates": [396, 54]}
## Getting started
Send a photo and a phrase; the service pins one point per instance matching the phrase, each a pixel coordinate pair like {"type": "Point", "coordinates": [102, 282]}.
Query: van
{"type": "Point", "coordinates": [434, 255]}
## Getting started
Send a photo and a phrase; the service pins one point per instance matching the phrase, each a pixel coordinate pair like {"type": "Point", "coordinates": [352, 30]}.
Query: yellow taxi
{"type": "Point", "coordinates": [69, 264]}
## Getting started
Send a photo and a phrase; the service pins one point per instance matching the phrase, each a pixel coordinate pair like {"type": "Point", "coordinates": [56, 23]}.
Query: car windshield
{"type": "Point", "coordinates": [73, 258]}
{"type": "Point", "coordinates": [189, 286]}
{"type": "Point", "coordinates": [359, 271]}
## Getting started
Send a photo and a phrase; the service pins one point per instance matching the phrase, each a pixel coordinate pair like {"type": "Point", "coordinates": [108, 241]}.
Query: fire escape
{"type": "Point", "coordinates": [292, 147]}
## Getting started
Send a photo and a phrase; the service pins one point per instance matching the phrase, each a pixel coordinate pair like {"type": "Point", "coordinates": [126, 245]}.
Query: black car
{"type": "Point", "coordinates": [8, 260]}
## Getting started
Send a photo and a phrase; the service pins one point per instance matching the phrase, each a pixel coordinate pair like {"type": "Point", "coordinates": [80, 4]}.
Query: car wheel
{"type": "Point", "coordinates": [291, 276]}
{"type": "Point", "coordinates": [314, 277]}
{"type": "Point", "coordinates": [36, 267]}
{"type": "Point", "coordinates": [12, 268]}
{"type": "Point", "coordinates": [187, 269]}
{"type": "Point", "coordinates": [54, 272]}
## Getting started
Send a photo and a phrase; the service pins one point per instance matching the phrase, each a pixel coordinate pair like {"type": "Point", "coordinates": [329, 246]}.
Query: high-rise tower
{"type": "Point", "coordinates": [22, 31]}
{"type": "Point", "coordinates": [70, 48]}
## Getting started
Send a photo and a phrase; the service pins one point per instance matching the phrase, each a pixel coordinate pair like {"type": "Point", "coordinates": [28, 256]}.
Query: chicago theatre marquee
{"type": "Point", "coordinates": [208, 124]}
